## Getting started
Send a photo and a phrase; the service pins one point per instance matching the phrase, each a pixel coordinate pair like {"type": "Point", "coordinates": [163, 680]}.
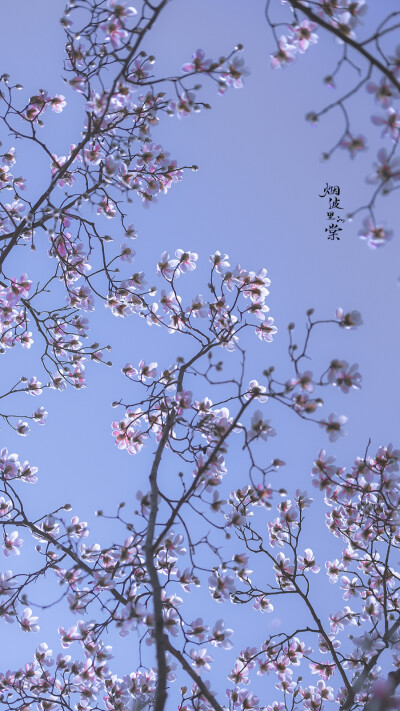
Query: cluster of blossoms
{"type": "Point", "coordinates": [116, 155]}
{"type": "Point", "coordinates": [343, 16]}
{"type": "Point", "coordinates": [342, 19]}
{"type": "Point", "coordinates": [70, 253]}
{"type": "Point", "coordinates": [299, 390]}
{"type": "Point", "coordinates": [52, 680]}
{"type": "Point", "coordinates": [225, 318]}
{"type": "Point", "coordinates": [364, 505]}
{"type": "Point", "coordinates": [300, 38]}
{"type": "Point", "coordinates": [62, 337]}
{"type": "Point", "coordinates": [148, 174]}
{"type": "Point", "coordinates": [40, 102]}
{"type": "Point", "coordinates": [13, 318]}
{"type": "Point", "coordinates": [114, 26]}
{"type": "Point", "coordinates": [11, 214]}
{"type": "Point", "coordinates": [119, 565]}
{"type": "Point", "coordinates": [386, 170]}
{"type": "Point", "coordinates": [344, 376]}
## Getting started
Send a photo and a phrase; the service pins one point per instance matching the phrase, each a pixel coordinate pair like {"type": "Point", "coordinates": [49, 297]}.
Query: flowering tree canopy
{"type": "Point", "coordinates": [214, 525]}
{"type": "Point", "coordinates": [374, 63]}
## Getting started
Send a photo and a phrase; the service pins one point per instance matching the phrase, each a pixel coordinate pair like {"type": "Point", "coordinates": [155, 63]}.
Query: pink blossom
{"type": "Point", "coordinates": [15, 210]}
{"type": "Point", "coordinates": [127, 253]}
{"type": "Point", "coordinates": [12, 543]}
{"type": "Point", "coordinates": [40, 415]}
{"type": "Point", "coordinates": [219, 262]}
{"type": "Point", "coordinates": [260, 428]}
{"type": "Point", "coordinates": [26, 339]}
{"type": "Point", "coordinates": [167, 267]}
{"type": "Point", "coordinates": [248, 700]}
{"type": "Point", "coordinates": [22, 428]}
{"type": "Point", "coordinates": [303, 35]}
{"type": "Point", "coordinates": [324, 670]}
{"type": "Point", "coordinates": [58, 103]}
{"type": "Point", "coordinates": [333, 568]}
{"type": "Point", "coordinates": [240, 673]}
{"type": "Point", "coordinates": [5, 176]}
{"type": "Point", "coordinates": [349, 587]}
{"type": "Point", "coordinates": [307, 562]}
{"type": "Point", "coordinates": [197, 629]}
{"type": "Point", "coordinates": [384, 92]}
{"type": "Point", "coordinates": [387, 170]}
{"type": "Point", "coordinates": [8, 158]}
{"type": "Point", "coordinates": [256, 392]}
{"type": "Point", "coordinates": [284, 55]}
{"type": "Point", "coordinates": [78, 83]}
{"type": "Point", "coordinates": [187, 260]}
{"type": "Point", "coordinates": [94, 154]}
{"type": "Point", "coordinates": [34, 387]}
{"type": "Point", "coordinates": [263, 604]}
{"type": "Point", "coordinates": [282, 566]}
{"type": "Point", "coordinates": [28, 622]}
{"type": "Point", "coordinates": [221, 585]}
{"type": "Point", "coordinates": [233, 76]}
{"type": "Point", "coordinates": [119, 9]}
{"type": "Point", "coordinates": [347, 377]}
{"type": "Point", "coordinates": [375, 235]}
{"type": "Point", "coordinates": [183, 401]}
{"type": "Point", "coordinates": [342, 618]}
{"type": "Point", "coordinates": [201, 660]}
{"type": "Point", "coordinates": [107, 208]}
{"type": "Point", "coordinates": [266, 330]}
{"type": "Point", "coordinates": [277, 706]}
{"type": "Point", "coordinates": [334, 426]}
{"type": "Point", "coordinates": [221, 635]}
{"type": "Point", "coordinates": [304, 380]}
{"type": "Point", "coordinates": [115, 33]}
{"type": "Point", "coordinates": [185, 104]}
{"type": "Point", "coordinates": [5, 508]}
{"type": "Point", "coordinates": [198, 63]}
{"type": "Point", "coordinates": [354, 144]}
{"type": "Point", "coordinates": [390, 122]}
{"type": "Point", "coordinates": [352, 319]}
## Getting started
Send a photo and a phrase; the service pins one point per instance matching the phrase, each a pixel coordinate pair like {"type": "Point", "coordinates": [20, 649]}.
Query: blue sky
{"type": "Point", "coordinates": [255, 197]}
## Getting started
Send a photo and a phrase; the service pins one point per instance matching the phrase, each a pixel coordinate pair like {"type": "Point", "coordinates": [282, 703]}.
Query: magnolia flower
{"type": "Point", "coordinates": [354, 144]}
{"type": "Point", "coordinates": [284, 55]}
{"type": "Point", "coordinates": [221, 635]}
{"type": "Point", "coordinates": [333, 568]}
{"type": "Point", "coordinates": [167, 267]}
{"type": "Point", "coordinates": [390, 122]}
{"type": "Point", "coordinates": [256, 392]}
{"type": "Point", "coordinates": [375, 235]}
{"type": "Point", "coordinates": [260, 428]}
{"type": "Point", "coordinates": [12, 543]}
{"type": "Point", "coordinates": [201, 660]}
{"type": "Point", "coordinates": [266, 330]}
{"type": "Point", "coordinates": [197, 629]}
{"type": "Point", "coordinates": [303, 35]}
{"type": "Point", "coordinates": [219, 261]}
{"type": "Point", "coordinates": [307, 562]}
{"type": "Point", "coordinates": [384, 92]}
{"type": "Point", "coordinates": [198, 63]}
{"type": "Point", "coordinates": [28, 622]}
{"type": "Point", "coordinates": [187, 260]}
{"type": "Point", "coordinates": [352, 319]}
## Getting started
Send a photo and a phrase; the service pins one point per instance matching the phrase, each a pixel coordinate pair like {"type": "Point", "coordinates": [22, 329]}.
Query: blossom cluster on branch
{"type": "Point", "coordinates": [374, 61]}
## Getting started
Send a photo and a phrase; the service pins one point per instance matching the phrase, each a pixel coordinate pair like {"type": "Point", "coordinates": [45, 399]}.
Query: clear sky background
{"type": "Point", "coordinates": [255, 197]}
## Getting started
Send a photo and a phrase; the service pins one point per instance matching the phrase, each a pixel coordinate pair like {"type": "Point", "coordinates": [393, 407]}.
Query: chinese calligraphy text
{"type": "Point", "coordinates": [332, 192]}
